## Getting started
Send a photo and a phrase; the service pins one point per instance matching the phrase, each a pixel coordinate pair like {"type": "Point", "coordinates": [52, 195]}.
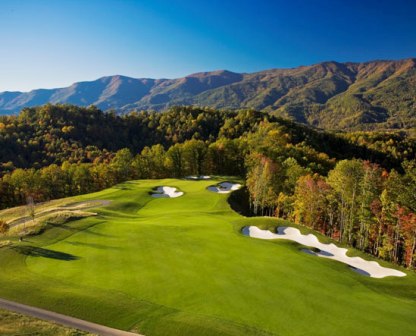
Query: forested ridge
{"type": "Point", "coordinates": [350, 96]}
{"type": "Point", "coordinates": [358, 188]}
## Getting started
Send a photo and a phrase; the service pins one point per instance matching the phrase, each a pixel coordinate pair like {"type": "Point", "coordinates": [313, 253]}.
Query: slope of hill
{"type": "Point", "coordinates": [378, 94]}
{"type": "Point", "coordinates": [181, 266]}
{"type": "Point", "coordinates": [49, 134]}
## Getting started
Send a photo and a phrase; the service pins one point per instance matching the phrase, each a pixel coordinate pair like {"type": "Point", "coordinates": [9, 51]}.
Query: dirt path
{"type": "Point", "coordinates": [63, 319]}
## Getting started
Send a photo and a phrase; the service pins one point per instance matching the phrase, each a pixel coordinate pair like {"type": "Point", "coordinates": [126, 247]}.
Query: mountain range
{"type": "Point", "coordinates": [331, 95]}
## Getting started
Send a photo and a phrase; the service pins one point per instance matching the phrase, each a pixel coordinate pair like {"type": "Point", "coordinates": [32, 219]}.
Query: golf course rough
{"type": "Point", "coordinates": [181, 266]}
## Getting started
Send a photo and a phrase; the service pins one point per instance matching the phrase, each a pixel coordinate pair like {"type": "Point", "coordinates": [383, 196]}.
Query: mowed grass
{"type": "Point", "coordinates": [181, 267]}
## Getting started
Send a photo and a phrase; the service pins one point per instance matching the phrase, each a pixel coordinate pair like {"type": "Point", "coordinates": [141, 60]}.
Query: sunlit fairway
{"type": "Point", "coordinates": [180, 266]}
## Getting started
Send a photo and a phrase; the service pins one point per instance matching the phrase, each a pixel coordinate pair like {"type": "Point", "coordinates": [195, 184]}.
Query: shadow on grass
{"type": "Point", "coordinates": [124, 186]}
{"type": "Point", "coordinates": [239, 202]}
{"type": "Point", "coordinates": [34, 251]}
{"type": "Point", "coordinates": [63, 226]}
{"type": "Point", "coordinates": [67, 227]}
{"type": "Point", "coordinates": [99, 234]}
{"type": "Point", "coordinates": [97, 246]}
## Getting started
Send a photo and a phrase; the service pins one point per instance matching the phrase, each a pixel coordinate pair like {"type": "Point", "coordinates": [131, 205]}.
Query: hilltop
{"type": "Point", "coordinates": [330, 95]}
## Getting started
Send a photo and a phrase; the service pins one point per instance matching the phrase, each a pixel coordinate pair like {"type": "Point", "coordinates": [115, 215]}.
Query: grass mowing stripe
{"type": "Point", "coordinates": [181, 267]}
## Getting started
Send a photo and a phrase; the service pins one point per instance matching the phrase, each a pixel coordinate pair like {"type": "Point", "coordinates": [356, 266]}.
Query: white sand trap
{"type": "Point", "coordinates": [166, 192]}
{"type": "Point", "coordinates": [330, 251]}
{"type": "Point", "coordinates": [201, 177]}
{"type": "Point", "coordinates": [224, 187]}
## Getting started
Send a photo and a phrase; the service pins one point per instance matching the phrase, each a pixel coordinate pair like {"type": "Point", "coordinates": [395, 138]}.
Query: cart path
{"type": "Point", "coordinates": [64, 319]}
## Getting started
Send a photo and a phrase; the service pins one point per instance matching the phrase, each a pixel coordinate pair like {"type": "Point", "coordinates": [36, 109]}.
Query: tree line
{"type": "Point", "coordinates": [192, 157]}
{"type": "Point", "coordinates": [358, 203]}
{"type": "Point", "coordinates": [52, 134]}
{"type": "Point", "coordinates": [314, 178]}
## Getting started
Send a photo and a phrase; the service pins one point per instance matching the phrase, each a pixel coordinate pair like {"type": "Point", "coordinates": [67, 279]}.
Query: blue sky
{"type": "Point", "coordinates": [47, 43]}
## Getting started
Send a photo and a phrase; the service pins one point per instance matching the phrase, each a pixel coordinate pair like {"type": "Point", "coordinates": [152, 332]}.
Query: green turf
{"type": "Point", "coordinates": [181, 267]}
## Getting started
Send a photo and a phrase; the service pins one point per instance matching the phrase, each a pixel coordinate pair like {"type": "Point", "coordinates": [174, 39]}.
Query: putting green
{"type": "Point", "coordinates": [180, 266]}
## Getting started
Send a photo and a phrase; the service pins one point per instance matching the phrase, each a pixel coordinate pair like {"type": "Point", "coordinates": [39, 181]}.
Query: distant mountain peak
{"type": "Point", "coordinates": [212, 73]}
{"type": "Point", "coordinates": [326, 94]}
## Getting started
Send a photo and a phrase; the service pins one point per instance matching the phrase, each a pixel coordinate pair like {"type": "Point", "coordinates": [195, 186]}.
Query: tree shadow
{"type": "Point", "coordinates": [62, 226]}
{"type": "Point", "coordinates": [239, 201]}
{"type": "Point", "coordinates": [124, 186]}
{"type": "Point", "coordinates": [34, 251]}
{"type": "Point", "coordinates": [93, 245]}
{"type": "Point", "coordinates": [99, 234]}
{"type": "Point", "coordinates": [76, 229]}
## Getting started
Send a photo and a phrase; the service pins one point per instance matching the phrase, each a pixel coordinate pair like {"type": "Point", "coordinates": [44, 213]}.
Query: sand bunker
{"type": "Point", "coordinates": [201, 177]}
{"type": "Point", "coordinates": [166, 192]}
{"type": "Point", "coordinates": [330, 251]}
{"type": "Point", "coordinates": [224, 187]}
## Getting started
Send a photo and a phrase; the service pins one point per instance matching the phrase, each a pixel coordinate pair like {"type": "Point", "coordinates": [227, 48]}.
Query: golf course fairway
{"type": "Point", "coordinates": [180, 266]}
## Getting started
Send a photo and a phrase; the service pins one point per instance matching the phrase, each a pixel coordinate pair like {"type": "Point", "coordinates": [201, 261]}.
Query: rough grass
{"type": "Point", "coordinates": [54, 212]}
{"type": "Point", "coordinates": [13, 324]}
{"type": "Point", "coordinates": [180, 266]}
{"type": "Point", "coordinates": [11, 214]}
